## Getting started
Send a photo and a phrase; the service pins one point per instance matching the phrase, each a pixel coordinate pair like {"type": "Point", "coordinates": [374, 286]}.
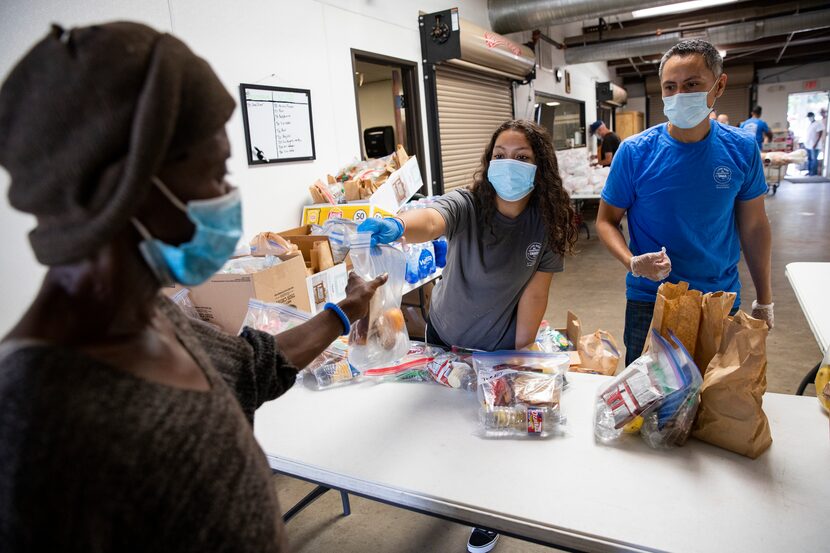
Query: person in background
{"type": "Point", "coordinates": [507, 234]}
{"type": "Point", "coordinates": [125, 425]}
{"type": "Point", "coordinates": [757, 127]}
{"type": "Point", "coordinates": [609, 144]}
{"type": "Point", "coordinates": [815, 132]}
{"type": "Point", "coordinates": [723, 119]}
{"type": "Point", "coordinates": [713, 114]}
{"type": "Point", "coordinates": [693, 191]}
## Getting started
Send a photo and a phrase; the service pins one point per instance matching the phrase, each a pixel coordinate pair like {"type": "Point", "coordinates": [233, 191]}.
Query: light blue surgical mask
{"type": "Point", "coordinates": [218, 224]}
{"type": "Point", "coordinates": [512, 179]}
{"type": "Point", "coordinates": [687, 110]}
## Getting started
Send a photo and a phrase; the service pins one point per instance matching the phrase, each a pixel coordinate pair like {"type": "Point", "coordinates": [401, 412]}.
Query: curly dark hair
{"type": "Point", "coordinates": [552, 200]}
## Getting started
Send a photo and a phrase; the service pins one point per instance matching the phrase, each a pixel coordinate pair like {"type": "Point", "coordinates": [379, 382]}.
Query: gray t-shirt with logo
{"type": "Point", "coordinates": [475, 303]}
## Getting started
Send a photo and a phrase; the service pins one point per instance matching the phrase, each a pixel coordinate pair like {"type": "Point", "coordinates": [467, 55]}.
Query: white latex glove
{"type": "Point", "coordinates": [654, 266]}
{"type": "Point", "coordinates": [763, 312]}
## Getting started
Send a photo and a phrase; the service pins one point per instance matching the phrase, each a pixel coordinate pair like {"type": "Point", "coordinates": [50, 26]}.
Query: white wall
{"type": "Point", "coordinates": [584, 76]}
{"type": "Point", "coordinates": [773, 99]}
{"type": "Point", "coordinates": [304, 44]}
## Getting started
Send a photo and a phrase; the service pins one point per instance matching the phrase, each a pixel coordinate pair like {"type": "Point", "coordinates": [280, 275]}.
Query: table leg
{"type": "Point", "coordinates": [808, 379]}
{"type": "Point", "coordinates": [347, 507]}
{"type": "Point", "coordinates": [305, 502]}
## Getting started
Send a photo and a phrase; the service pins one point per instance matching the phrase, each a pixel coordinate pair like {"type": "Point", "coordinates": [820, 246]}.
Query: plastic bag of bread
{"type": "Point", "coordinates": [380, 338]}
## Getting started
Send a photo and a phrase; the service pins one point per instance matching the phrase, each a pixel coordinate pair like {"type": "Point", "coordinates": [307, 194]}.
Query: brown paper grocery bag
{"type": "Point", "coordinates": [730, 414]}
{"type": "Point", "coordinates": [715, 308]}
{"type": "Point", "coordinates": [677, 309]}
{"type": "Point", "coordinates": [598, 353]}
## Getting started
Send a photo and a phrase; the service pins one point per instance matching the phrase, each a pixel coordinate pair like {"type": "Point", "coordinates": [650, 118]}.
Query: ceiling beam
{"type": "Point", "coordinates": [696, 20]}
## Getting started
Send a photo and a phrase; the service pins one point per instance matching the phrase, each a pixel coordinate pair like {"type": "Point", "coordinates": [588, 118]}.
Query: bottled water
{"type": "Point", "coordinates": [519, 420]}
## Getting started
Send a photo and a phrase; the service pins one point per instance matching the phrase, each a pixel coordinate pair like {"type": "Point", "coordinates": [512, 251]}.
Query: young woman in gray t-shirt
{"type": "Point", "coordinates": [507, 234]}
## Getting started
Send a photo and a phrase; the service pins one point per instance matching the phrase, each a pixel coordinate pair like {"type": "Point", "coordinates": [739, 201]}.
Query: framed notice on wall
{"type": "Point", "coordinates": [278, 124]}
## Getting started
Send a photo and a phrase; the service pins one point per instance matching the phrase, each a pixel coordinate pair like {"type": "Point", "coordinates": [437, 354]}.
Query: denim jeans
{"type": "Point", "coordinates": [637, 320]}
{"type": "Point", "coordinates": [812, 161]}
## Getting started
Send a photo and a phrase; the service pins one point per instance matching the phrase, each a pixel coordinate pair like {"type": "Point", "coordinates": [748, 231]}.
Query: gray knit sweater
{"type": "Point", "coordinates": [94, 459]}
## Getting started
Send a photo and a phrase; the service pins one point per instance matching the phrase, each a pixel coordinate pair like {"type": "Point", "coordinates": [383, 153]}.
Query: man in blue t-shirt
{"type": "Point", "coordinates": [757, 127]}
{"type": "Point", "coordinates": [694, 194]}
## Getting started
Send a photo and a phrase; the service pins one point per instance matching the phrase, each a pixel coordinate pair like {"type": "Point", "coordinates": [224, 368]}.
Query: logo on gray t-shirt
{"type": "Point", "coordinates": [532, 253]}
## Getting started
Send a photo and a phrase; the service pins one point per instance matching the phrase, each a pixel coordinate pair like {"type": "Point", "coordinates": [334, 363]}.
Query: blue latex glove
{"type": "Point", "coordinates": [383, 231]}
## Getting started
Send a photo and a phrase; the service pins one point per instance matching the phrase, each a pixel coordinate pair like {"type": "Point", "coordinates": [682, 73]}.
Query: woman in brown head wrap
{"type": "Point", "coordinates": [126, 426]}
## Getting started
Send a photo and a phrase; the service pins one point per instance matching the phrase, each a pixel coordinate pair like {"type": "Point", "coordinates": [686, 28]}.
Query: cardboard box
{"type": "Point", "coordinates": [385, 202]}
{"type": "Point", "coordinates": [223, 300]}
{"type": "Point", "coordinates": [358, 212]}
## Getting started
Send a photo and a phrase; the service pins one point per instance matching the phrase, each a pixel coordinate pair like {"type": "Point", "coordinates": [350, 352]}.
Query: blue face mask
{"type": "Point", "coordinates": [512, 179]}
{"type": "Point", "coordinates": [218, 224]}
{"type": "Point", "coordinates": [687, 110]}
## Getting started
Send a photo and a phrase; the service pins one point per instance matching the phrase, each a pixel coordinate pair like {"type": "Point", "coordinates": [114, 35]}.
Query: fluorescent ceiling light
{"type": "Point", "coordinates": [551, 103]}
{"type": "Point", "coordinates": [681, 7]}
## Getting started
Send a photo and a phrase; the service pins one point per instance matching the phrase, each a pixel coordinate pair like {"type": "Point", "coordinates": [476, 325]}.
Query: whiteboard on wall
{"type": "Point", "coordinates": [278, 126]}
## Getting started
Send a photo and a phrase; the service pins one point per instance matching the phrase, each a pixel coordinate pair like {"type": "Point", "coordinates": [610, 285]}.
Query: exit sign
{"type": "Point", "coordinates": [810, 85]}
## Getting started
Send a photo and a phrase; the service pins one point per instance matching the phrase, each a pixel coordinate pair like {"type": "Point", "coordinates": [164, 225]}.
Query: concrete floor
{"type": "Point", "coordinates": [592, 286]}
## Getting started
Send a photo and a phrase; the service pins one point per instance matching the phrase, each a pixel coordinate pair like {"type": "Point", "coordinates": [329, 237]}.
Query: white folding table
{"type": "Point", "coordinates": [809, 282]}
{"type": "Point", "coordinates": [413, 446]}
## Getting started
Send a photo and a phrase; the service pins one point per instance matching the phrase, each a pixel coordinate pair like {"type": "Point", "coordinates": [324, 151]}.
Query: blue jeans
{"type": "Point", "coordinates": [637, 320]}
{"type": "Point", "coordinates": [812, 161]}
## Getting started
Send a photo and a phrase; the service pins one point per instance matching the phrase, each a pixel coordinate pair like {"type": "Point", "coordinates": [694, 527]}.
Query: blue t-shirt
{"type": "Point", "coordinates": [682, 196]}
{"type": "Point", "coordinates": [756, 127]}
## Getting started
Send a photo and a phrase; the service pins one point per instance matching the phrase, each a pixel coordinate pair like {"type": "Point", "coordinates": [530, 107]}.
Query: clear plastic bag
{"type": "Point", "coordinates": [550, 340]}
{"type": "Point", "coordinates": [249, 265]}
{"type": "Point", "coordinates": [451, 370]}
{"type": "Point", "coordinates": [380, 338]}
{"type": "Point", "coordinates": [272, 318]}
{"type": "Point", "coordinates": [670, 424]}
{"type": "Point", "coordinates": [520, 393]}
{"type": "Point", "coordinates": [182, 299]}
{"type": "Point", "coordinates": [412, 368]}
{"type": "Point", "coordinates": [330, 368]}
{"type": "Point", "coordinates": [632, 393]}
{"type": "Point", "coordinates": [338, 231]}
{"type": "Point", "coordinates": [662, 387]}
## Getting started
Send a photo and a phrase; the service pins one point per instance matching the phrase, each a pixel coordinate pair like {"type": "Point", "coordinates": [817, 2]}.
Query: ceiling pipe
{"type": "Point", "coordinates": [724, 34]}
{"type": "Point", "coordinates": [510, 16]}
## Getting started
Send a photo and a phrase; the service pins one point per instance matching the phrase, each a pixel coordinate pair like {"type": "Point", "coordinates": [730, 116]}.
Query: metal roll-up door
{"type": "Point", "coordinates": [655, 111]}
{"type": "Point", "coordinates": [471, 105]}
{"type": "Point", "coordinates": [734, 102]}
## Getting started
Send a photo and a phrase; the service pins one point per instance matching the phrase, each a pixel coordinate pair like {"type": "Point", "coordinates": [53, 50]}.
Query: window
{"type": "Point", "coordinates": [565, 119]}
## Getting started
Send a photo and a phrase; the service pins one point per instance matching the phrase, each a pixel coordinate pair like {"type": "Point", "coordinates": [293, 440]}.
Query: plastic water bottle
{"type": "Point", "coordinates": [440, 247]}
{"type": "Point", "coordinates": [413, 256]}
{"type": "Point", "coordinates": [426, 260]}
{"type": "Point", "coordinates": [519, 420]}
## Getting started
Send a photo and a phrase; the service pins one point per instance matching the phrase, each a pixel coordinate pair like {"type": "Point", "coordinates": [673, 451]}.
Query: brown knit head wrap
{"type": "Point", "coordinates": [87, 117]}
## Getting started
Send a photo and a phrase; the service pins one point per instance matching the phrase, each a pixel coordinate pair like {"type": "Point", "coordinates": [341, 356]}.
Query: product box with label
{"type": "Point", "coordinates": [358, 212]}
{"type": "Point", "coordinates": [385, 202]}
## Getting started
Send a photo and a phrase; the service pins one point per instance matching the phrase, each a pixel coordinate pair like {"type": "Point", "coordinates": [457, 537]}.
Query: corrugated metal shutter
{"type": "Point", "coordinates": [471, 106]}
{"type": "Point", "coordinates": [655, 111]}
{"type": "Point", "coordinates": [734, 102]}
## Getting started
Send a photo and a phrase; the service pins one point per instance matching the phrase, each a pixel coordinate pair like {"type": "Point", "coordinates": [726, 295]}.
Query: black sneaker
{"type": "Point", "coordinates": [481, 540]}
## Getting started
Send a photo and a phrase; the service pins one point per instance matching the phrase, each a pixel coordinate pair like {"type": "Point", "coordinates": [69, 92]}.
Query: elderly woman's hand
{"type": "Point", "coordinates": [358, 294]}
